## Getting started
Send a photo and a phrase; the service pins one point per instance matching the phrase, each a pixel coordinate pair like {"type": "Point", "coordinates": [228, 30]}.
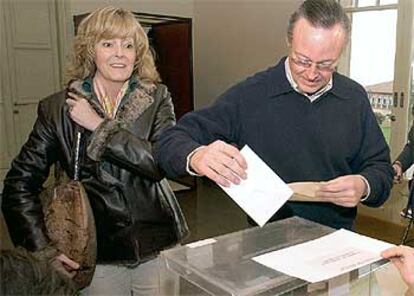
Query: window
{"type": "Point", "coordinates": [367, 3]}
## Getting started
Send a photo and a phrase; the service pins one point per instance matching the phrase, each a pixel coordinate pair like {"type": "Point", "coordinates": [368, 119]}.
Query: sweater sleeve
{"type": "Point", "coordinates": [202, 127]}
{"type": "Point", "coordinates": [374, 162]}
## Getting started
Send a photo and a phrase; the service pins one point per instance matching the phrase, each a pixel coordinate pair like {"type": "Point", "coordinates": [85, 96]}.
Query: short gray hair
{"type": "Point", "coordinates": [321, 14]}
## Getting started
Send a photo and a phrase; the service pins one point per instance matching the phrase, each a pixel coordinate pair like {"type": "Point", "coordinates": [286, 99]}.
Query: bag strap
{"type": "Point", "coordinates": [76, 167]}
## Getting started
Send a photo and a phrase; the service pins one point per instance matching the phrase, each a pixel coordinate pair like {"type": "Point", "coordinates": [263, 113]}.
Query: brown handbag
{"type": "Point", "coordinates": [70, 223]}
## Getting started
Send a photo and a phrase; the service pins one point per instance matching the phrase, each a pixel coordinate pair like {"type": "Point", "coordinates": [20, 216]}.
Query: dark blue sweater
{"type": "Point", "coordinates": [300, 140]}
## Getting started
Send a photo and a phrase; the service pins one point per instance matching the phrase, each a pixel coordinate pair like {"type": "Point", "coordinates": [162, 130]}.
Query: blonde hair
{"type": "Point", "coordinates": [107, 23]}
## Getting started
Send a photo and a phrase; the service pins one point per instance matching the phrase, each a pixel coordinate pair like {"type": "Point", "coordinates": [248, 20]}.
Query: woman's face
{"type": "Point", "coordinates": [114, 60]}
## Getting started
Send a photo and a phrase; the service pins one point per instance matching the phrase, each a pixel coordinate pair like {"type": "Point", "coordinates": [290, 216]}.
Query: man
{"type": "Point", "coordinates": [307, 122]}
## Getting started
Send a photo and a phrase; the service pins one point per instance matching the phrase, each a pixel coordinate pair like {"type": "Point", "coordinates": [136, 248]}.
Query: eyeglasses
{"type": "Point", "coordinates": [307, 64]}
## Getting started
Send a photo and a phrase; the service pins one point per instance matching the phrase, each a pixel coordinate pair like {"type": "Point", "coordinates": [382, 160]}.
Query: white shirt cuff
{"type": "Point", "coordinates": [187, 165]}
{"type": "Point", "coordinates": [368, 188]}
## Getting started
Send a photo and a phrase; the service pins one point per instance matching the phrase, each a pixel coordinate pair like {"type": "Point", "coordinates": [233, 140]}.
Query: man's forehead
{"type": "Point", "coordinates": [317, 42]}
{"type": "Point", "coordinates": [304, 27]}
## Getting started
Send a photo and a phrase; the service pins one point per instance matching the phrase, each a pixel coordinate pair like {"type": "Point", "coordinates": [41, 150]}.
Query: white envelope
{"type": "Point", "coordinates": [262, 193]}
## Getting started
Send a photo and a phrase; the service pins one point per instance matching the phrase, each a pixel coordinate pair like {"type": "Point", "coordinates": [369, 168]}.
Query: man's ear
{"type": "Point", "coordinates": [288, 44]}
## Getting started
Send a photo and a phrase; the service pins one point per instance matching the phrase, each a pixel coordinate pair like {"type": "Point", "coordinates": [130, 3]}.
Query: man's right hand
{"type": "Point", "coordinates": [220, 162]}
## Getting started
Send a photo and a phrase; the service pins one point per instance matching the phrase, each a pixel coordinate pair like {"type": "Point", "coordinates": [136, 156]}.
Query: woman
{"type": "Point", "coordinates": [114, 96]}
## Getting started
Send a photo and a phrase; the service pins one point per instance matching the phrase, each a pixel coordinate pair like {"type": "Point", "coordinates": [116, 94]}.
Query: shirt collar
{"type": "Point", "coordinates": [87, 84]}
{"type": "Point", "coordinates": [294, 85]}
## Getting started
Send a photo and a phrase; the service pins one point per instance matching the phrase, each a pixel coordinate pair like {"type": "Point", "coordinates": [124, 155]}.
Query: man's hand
{"type": "Point", "coordinates": [82, 112]}
{"type": "Point", "coordinates": [220, 162]}
{"type": "Point", "coordinates": [345, 191]}
{"type": "Point", "coordinates": [403, 258]}
{"type": "Point", "coordinates": [398, 172]}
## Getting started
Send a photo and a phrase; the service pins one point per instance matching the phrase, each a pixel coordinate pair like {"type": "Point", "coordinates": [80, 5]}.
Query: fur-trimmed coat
{"type": "Point", "coordinates": [136, 214]}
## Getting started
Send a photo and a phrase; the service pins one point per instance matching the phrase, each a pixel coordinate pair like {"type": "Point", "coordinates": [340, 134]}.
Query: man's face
{"type": "Point", "coordinates": [313, 54]}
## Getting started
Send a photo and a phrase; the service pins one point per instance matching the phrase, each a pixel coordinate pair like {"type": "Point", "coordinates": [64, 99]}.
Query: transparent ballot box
{"type": "Point", "coordinates": [223, 265]}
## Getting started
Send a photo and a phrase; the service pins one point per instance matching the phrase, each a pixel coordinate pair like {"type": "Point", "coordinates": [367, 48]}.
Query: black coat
{"type": "Point", "coordinates": [406, 157]}
{"type": "Point", "coordinates": [136, 214]}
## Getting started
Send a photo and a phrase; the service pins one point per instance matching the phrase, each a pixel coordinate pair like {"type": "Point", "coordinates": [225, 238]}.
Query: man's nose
{"type": "Point", "coordinates": [312, 72]}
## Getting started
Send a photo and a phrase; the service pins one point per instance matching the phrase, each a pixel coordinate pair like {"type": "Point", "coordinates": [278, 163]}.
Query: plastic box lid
{"type": "Point", "coordinates": [223, 265]}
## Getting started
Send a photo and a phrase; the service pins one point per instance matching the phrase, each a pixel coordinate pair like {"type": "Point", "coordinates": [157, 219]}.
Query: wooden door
{"type": "Point", "coordinates": [7, 140]}
{"type": "Point", "coordinates": [173, 47]}
{"type": "Point", "coordinates": [30, 69]}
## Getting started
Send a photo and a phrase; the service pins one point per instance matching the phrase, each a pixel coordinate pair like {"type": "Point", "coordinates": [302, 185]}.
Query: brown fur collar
{"type": "Point", "coordinates": [137, 102]}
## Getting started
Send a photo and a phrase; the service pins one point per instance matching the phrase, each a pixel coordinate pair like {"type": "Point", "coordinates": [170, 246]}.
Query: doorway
{"type": "Point", "coordinates": [379, 57]}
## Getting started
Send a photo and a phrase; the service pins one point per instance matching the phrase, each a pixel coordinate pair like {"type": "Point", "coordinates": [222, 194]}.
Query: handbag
{"type": "Point", "coordinates": [70, 223]}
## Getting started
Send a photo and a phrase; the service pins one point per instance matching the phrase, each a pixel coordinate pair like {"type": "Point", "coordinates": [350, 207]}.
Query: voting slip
{"type": "Point", "coordinates": [262, 193]}
{"type": "Point", "coordinates": [326, 257]}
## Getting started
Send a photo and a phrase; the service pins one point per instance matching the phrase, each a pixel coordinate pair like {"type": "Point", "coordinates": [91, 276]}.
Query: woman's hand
{"type": "Point", "coordinates": [81, 112]}
{"type": "Point", "coordinates": [69, 264]}
{"type": "Point", "coordinates": [65, 266]}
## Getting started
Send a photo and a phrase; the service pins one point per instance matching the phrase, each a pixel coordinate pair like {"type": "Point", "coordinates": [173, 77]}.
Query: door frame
{"type": "Point", "coordinates": [402, 77]}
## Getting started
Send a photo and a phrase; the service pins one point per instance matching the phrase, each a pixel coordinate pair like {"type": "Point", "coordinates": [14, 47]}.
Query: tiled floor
{"type": "Point", "coordinates": [210, 212]}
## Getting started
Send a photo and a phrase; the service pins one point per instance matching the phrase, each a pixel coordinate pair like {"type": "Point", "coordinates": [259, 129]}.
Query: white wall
{"type": "Point", "coordinates": [172, 7]}
{"type": "Point", "coordinates": [183, 8]}
{"type": "Point", "coordinates": [234, 39]}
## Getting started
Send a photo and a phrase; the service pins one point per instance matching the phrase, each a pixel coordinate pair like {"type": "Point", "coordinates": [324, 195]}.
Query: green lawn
{"type": "Point", "coordinates": [386, 130]}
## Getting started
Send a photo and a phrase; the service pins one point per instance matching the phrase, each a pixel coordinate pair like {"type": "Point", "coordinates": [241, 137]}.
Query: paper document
{"type": "Point", "coordinates": [262, 193]}
{"type": "Point", "coordinates": [326, 257]}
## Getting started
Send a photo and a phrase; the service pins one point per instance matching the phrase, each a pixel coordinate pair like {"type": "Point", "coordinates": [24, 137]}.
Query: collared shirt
{"type": "Point", "coordinates": [87, 84]}
{"type": "Point", "coordinates": [110, 110]}
{"type": "Point", "coordinates": [294, 85]}
{"type": "Point", "coordinates": [312, 98]}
